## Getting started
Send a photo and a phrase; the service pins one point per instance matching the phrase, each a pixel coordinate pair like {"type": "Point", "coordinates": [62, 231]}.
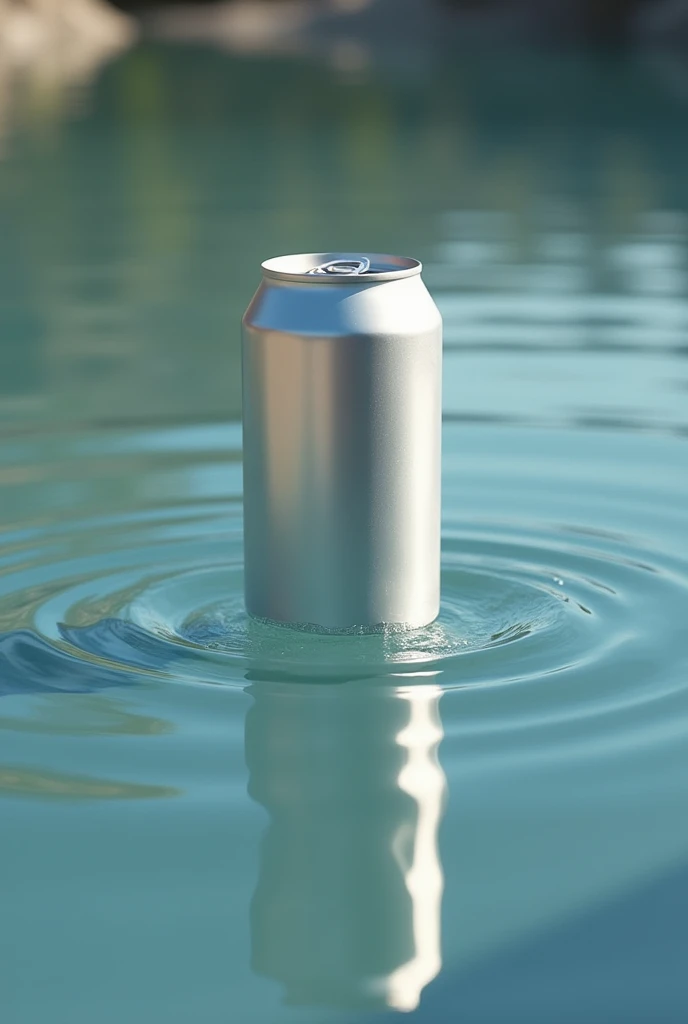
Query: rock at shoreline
{"type": "Point", "coordinates": [62, 32]}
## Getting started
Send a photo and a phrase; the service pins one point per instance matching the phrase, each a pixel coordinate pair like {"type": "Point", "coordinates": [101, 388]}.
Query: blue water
{"type": "Point", "coordinates": [208, 819]}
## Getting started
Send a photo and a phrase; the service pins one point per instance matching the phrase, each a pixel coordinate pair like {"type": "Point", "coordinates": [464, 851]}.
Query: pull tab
{"type": "Point", "coordinates": [353, 267]}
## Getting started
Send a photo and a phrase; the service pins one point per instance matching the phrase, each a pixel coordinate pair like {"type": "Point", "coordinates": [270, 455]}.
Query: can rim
{"type": "Point", "coordinates": [297, 267]}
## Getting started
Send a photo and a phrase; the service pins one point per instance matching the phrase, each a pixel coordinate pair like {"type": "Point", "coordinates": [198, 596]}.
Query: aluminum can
{"type": "Point", "coordinates": [342, 367]}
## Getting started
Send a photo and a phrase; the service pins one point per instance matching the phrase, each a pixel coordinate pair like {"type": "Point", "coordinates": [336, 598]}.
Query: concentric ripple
{"type": "Point", "coordinates": [566, 587]}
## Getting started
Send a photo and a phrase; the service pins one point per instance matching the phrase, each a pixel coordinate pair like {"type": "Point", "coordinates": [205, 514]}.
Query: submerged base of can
{"type": "Point", "coordinates": [386, 628]}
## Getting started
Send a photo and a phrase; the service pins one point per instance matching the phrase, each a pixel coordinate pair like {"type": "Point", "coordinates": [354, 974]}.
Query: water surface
{"type": "Point", "coordinates": [210, 819]}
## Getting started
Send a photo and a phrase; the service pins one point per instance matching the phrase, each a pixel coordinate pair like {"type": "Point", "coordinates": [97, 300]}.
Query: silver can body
{"type": "Point", "coordinates": [342, 445]}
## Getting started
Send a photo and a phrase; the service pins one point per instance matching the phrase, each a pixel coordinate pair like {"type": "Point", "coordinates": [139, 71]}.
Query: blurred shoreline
{"type": "Point", "coordinates": [61, 42]}
{"type": "Point", "coordinates": [279, 25]}
{"type": "Point", "coordinates": [66, 31]}
{"type": "Point", "coordinates": [52, 51]}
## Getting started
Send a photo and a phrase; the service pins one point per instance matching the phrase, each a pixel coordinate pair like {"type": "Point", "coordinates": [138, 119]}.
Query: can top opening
{"type": "Point", "coordinates": [300, 267]}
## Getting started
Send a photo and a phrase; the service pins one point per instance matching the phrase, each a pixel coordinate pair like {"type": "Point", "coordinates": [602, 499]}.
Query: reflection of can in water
{"type": "Point", "coordinates": [347, 908]}
{"type": "Point", "coordinates": [342, 360]}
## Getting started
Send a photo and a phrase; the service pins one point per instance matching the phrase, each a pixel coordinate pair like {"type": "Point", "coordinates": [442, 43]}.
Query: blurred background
{"type": "Point", "coordinates": [531, 152]}
{"type": "Point", "coordinates": [164, 763]}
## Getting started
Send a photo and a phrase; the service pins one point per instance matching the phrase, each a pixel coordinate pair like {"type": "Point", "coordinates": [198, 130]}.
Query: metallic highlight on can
{"type": "Point", "coordinates": [342, 382]}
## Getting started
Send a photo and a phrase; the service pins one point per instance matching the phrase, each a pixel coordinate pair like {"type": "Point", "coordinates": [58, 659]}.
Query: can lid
{"type": "Point", "coordinates": [348, 267]}
{"type": "Point", "coordinates": [340, 267]}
